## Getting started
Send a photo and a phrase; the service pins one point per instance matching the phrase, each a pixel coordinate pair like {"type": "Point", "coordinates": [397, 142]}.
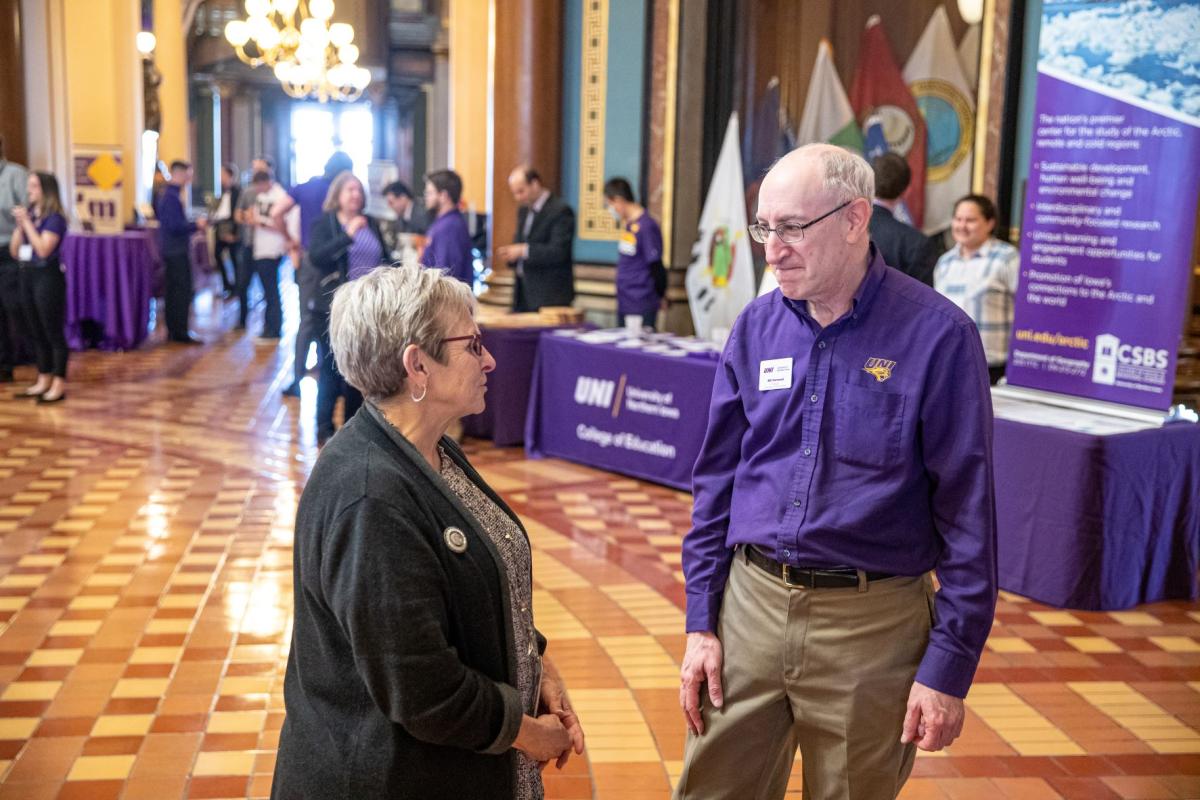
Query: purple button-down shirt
{"type": "Point", "coordinates": [310, 196]}
{"type": "Point", "coordinates": [874, 453]}
{"type": "Point", "coordinates": [449, 247]}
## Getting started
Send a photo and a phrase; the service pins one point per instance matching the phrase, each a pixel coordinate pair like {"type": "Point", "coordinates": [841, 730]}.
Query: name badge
{"type": "Point", "coordinates": [25, 253]}
{"type": "Point", "coordinates": [627, 245]}
{"type": "Point", "coordinates": [774, 373]}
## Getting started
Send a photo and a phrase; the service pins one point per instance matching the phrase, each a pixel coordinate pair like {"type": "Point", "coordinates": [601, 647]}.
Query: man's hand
{"type": "Point", "coordinates": [701, 664]}
{"type": "Point", "coordinates": [513, 252]}
{"type": "Point", "coordinates": [934, 719]}
{"type": "Point", "coordinates": [554, 700]}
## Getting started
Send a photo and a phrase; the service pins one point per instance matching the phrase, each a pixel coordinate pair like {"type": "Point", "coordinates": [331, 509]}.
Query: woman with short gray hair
{"type": "Point", "coordinates": [415, 668]}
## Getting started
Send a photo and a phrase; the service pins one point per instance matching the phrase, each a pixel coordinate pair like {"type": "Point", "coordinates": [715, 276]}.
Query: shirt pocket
{"type": "Point", "coordinates": [870, 425]}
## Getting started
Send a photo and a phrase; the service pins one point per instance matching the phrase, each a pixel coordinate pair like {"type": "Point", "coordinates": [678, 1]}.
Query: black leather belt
{"type": "Point", "coordinates": [807, 578]}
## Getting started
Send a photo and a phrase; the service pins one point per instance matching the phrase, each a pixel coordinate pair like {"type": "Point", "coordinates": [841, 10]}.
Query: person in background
{"type": "Point", "coordinates": [176, 232]}
{"type": "Point", "coordinates": [35, 245]}
{"type": "Point", "coordinates": [641, 278]}
{"type": "Point", "coordinates": [344, 244]}
{"type": "Point", "coordinates": [448, 243]}
{"type": "Point", "coordinates": [541, 256]}
{"type": "Point", "coordinates": [244, 262]}
{"type": "Point", "coordinates": [415, 669]}
{"type": "Point", "coordinates": [268, 250]}
{"type": "Point", "coordinates": [979, 274]}
{"type": "Point", "coordinates": [901, 245]}
{"type": "Point", "coordinates": [410, 217]}
{"type": "Point", "coordinates": [13, 180]}
{"type": "Point", "coordinates": [310, 197]}
{"type": "Point", "coordinates": [225, 229]}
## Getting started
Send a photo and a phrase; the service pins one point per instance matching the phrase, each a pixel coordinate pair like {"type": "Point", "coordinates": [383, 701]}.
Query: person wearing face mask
{"type": "Point", "coordinates": [641, 277]}
{"type": "Point", "coordinates": [448, 243]}
{"type": "Point", "coordinates": [344, 244]}
{"type": "Point", "coordinates": [979, 274]}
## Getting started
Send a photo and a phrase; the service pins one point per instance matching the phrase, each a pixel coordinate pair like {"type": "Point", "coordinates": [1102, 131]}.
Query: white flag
{"type": "Point", "coordinates": [935, 76]}
{"type": "Point", "coordinates": [828, 115]}
{"type": "Point", "coordinates": [720, 281]}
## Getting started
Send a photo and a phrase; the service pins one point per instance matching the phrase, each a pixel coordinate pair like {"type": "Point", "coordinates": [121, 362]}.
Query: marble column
{"type": "Point", "coordinates": [526, 111]}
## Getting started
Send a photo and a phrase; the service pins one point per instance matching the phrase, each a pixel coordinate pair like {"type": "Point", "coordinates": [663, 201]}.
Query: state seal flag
{"type": "Point", "coordinates": [935, 77]}
{"type": "Point", "coordinates": [720, 280]}
{"type": "Point", "coordinates": [879, 88]}
{"type": "Point", "coordinates": [828, 115]}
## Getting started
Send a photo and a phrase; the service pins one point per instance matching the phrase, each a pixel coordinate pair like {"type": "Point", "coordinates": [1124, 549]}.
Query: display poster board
{"type": "Point", "coordinates": [99, 203]}
{"type": "Point", "coordinates": [1110, 209]}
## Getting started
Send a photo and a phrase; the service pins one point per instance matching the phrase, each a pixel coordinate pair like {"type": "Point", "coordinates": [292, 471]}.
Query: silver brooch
{"type": "Point", "coordinates": [456, 540]}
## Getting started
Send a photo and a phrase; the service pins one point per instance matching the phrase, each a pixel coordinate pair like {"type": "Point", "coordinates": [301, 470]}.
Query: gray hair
{"type": "Point", "coordinates": [846, 174]}
{"type": "Point", "coordinates": [375, 317]}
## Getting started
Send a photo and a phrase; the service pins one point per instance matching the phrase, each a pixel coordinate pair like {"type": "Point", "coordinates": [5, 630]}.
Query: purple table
{"type": "Point", "coordinates": [503, 420]}
{"type": "Point", "coordinates": [1098, 522]}
{"type": "Point", "coordinates": [110, 283]}
{"type": "Point", "coordinates": [640, 414]}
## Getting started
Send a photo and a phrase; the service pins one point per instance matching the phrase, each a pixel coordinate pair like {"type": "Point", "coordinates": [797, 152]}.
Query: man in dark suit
{"type": "Point", "coordinates": [541, 255]}
{"type": "Point", "coordinates": [902, 246]}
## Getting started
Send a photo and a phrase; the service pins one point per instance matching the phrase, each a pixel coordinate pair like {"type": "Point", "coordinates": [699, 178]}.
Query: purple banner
{"type": "Point", "coordinates": [1110, 211]}
{"type": "Point", "coordinates": [638, 413]}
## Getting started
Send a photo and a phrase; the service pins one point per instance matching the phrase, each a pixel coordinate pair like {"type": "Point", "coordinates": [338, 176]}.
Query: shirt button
{"type": "Point", "coordinates": [797, 503]}
{"type": "Point", "coordinates": [813, 398]}
{"type": "Point", "coordinates": [820, 345]}
{"type": "Point", "coordinates": [808, 451]}
{"type": "Point", "coordinates": [787, 553]}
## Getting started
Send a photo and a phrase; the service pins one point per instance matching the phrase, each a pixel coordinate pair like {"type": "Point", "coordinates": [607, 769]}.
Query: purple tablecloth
{"type": "Point", "coordinates": [503, 420]}
{"type": "Point", "coordinates": [640, 414]}
{"type": "Point", "coordinates": [110, 283]}
{"type": "Point", "coordinates": [1098, 522]}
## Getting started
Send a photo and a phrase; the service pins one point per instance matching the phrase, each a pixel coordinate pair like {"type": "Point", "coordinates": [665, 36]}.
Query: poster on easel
{"type": "Point", "coordinates": [99, 201]}
{"type": "Point", "coordinates": [1110, 210]}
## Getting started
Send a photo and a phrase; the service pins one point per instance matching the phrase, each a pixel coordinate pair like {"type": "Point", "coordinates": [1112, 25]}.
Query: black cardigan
{"type": "Point", "coordinates": [329, 253]}
{"type": "Point", "coordinates": [402, 673]}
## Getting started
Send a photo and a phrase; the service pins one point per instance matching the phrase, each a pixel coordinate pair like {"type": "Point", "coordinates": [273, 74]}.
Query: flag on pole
{"type": "Point", "coordinates": [720, 281]}
{"type": "Point", "coordinates": [934, 75]}
{"type": "Point", "coordinates": [828, 116]}
{"type": "Point", "coordinates": [879, 88]}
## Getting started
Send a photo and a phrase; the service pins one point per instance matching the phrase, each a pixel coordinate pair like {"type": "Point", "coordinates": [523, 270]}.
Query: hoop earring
{"type": "Point", "coordinates": [424, 391]}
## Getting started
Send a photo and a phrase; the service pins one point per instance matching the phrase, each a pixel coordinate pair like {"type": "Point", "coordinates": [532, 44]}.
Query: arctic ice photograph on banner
{"type": "Point", "coordinates": [1147, 51]}
{"type": "Point", "coordinates": [1110, 205]}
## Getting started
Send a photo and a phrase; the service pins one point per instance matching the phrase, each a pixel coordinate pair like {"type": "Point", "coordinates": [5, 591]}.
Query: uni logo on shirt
{"type": "Point", "coordinates": [881, 368]}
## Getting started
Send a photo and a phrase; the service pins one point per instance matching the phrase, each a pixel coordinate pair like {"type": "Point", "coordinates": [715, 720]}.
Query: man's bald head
{"type": "Point", "coordinates": [826, 192]}
{"type": "Point", "coordinates": [525, 184]}
{"type": "Point", "coordinates": [827, 168]}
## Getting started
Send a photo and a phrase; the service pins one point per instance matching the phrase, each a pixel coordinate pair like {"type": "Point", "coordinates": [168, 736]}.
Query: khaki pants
{"type": "Point", "coordinates": [828, 670]}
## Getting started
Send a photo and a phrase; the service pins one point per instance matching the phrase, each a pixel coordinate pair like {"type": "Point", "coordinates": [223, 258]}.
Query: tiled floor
{"type": "Point", "coordinates": [145, 592]}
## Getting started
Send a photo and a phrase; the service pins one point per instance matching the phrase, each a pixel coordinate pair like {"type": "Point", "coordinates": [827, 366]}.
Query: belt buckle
{"type": "Point", "coordinates": [787, 571]}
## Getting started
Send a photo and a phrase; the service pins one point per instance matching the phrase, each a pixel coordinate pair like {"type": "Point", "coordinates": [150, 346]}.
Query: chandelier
{"type": "Point", "coordinates": [309, 55]}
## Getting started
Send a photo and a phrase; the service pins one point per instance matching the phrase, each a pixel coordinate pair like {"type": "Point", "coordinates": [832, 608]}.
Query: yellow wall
{"type": "Point", "coordinates": [469, 34]}
{"type": "Point", "coordinates": [174, 141]}
{"type": "Point", "coordinates": [103, 74]}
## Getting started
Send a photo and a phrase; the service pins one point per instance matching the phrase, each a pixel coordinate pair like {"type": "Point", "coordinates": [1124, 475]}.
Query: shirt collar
{"type": "Point", "coordinates": [863, 295]}
{"type": "Point", "coordinates": [984, 252]}
{"type": "Point", "coordinates": [541, 201]}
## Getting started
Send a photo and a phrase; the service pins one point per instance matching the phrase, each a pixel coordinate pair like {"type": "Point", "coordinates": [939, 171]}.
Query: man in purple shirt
{"type": "Point", "coordinates": [175, 232]}
{"type": "Point", "coordinates": [310, 196]}
{"type": "Point", "coordinates": [641, 277]}
{"type": "Point", "coordinates": [448, 244]}
{"type": "Point", "coordinates": [848, 454]}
